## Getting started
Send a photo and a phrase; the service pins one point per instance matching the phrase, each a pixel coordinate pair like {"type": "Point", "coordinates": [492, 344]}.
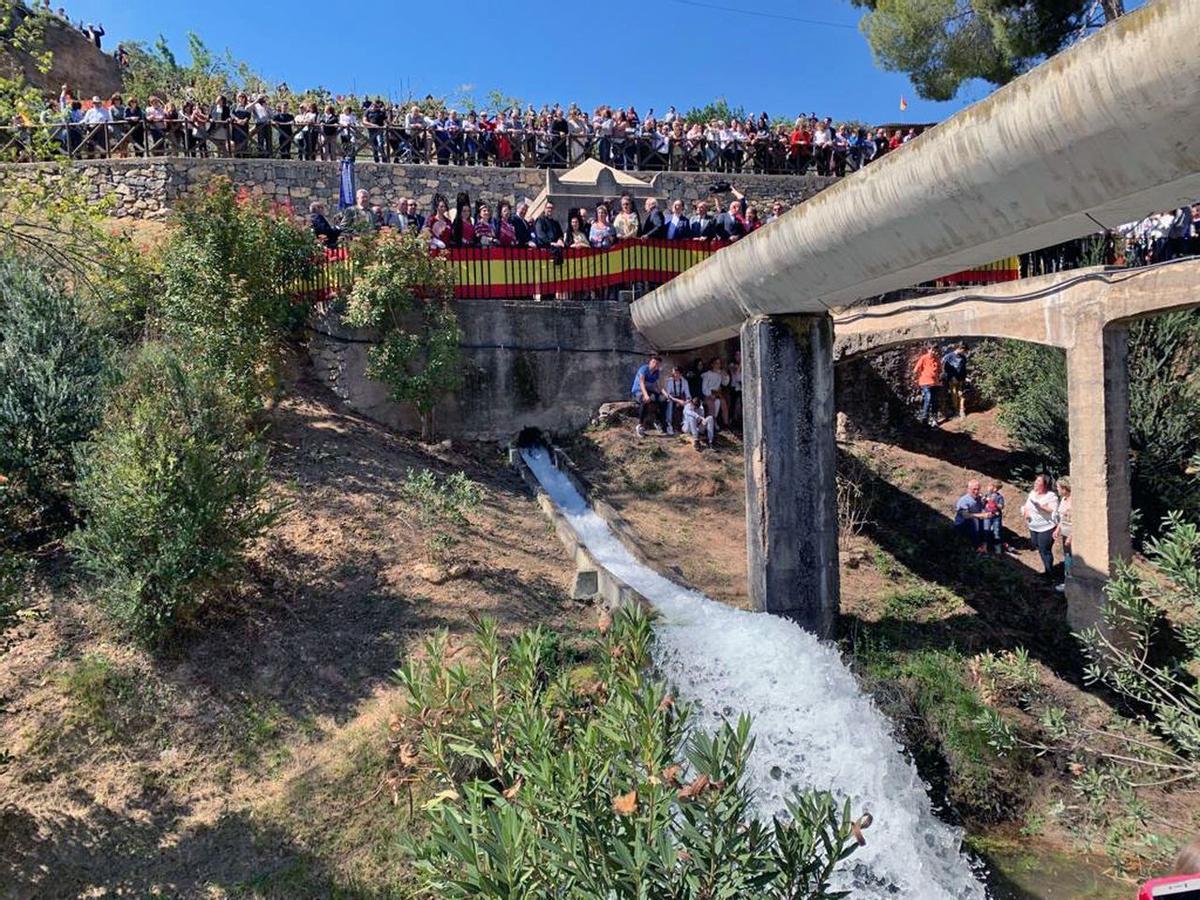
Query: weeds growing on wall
{"type": "Point", "coordinates": [406, 294]}
{"type": "Point", "coordinates": [590, 783]}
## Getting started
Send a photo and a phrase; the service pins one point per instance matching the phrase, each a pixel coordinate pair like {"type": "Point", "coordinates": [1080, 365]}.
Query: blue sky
{"type": "Point", "coordinates": [645, 52]}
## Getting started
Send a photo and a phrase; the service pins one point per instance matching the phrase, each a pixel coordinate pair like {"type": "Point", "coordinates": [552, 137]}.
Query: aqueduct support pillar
{"type": "Point", "coordinates": [791, 468]}
{"type": "Point", "coordinates": [1098, 398]}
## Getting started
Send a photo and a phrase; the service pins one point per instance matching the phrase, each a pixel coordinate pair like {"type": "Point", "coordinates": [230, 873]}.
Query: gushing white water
{"type": "Point", "coordinates": [813, 727]}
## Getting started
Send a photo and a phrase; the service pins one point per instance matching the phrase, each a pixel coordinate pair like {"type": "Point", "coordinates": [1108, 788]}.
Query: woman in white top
{"type": "Point", "coordinates": [711, 383]}
{"type": "Point", "coordinates": [1039, 510]}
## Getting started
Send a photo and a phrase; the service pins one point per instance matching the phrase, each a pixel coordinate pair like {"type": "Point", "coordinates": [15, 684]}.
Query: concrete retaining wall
{"type": "Point", "coordinates": [528, 364]}
{"type": "Point", "coordinates": [148, 188]}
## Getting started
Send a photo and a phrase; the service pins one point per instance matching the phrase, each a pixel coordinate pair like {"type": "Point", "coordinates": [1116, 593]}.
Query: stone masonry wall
{"type": "Point", "coordinates": [148, 188]}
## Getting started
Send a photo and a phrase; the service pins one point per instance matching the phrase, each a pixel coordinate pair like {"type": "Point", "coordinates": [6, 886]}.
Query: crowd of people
{"type": "Point", "coordinates": [698, 400]}
{"type": "Point", "coordinates": [505, 224]}
{"type": "Point", "coordinates": [1163, 236]}
{"type": "Point", "coordinates": [249, 124]}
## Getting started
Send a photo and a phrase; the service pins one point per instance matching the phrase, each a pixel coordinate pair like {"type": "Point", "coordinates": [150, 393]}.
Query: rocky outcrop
{"type": "Point", "coordinates": [75, 62]}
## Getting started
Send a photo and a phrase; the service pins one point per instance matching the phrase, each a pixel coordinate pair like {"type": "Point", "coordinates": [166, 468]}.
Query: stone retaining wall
{"type": "Point", "coordinates": [148, 188]}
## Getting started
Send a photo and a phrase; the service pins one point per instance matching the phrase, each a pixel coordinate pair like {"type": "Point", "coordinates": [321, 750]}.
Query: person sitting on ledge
{"type": "Point", "coordinates": [678, 394]}
{"type": "Point", "coordinates": [326, 233]}
{"type": "Point", "coordinates": [695, 421]}
{"type": "Point", "coordinates": [648, 395]}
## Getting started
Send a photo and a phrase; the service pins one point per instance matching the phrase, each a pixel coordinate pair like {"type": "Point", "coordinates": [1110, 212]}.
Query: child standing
{"type": "Point", "coordinates": [1062, 531]}
{"type": "Point", "coordinates": [993, 505]}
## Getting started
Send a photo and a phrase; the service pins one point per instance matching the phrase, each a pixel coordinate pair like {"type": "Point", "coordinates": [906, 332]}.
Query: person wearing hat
{"type": "Point", "coordinates": [98, 118]}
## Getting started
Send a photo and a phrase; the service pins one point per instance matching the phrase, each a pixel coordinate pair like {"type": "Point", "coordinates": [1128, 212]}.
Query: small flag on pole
{"type": "Point", "coordinates": [903, 103]}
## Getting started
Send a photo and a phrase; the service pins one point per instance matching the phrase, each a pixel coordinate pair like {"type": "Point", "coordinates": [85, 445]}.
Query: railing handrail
{"type": "Point", "coordinates": [181, 136]}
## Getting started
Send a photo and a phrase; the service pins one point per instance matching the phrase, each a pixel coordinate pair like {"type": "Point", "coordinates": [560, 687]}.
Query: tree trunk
{"type": "Point", "coordinates": [1112, 9]}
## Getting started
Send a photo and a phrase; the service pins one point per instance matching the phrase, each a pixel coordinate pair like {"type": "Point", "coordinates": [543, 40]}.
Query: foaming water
{"type": "Point", "coordinates": [813, 727]}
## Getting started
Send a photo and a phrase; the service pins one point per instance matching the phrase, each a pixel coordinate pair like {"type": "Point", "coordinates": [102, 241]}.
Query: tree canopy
{"type": "Point", "coordinates": [941, 44]}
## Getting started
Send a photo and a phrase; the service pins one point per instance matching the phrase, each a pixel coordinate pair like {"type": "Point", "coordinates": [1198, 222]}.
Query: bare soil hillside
{"type": "Point", "coordinates": [248, 760]}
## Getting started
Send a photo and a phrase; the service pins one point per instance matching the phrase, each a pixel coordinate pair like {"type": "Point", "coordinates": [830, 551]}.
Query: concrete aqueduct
{"type": "Point", "coordinates": [1098, 135]}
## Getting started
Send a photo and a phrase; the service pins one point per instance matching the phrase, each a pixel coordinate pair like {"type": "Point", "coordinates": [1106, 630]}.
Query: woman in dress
{"type": "Point", "coordinates": [439, 224]}
{"type": "Point", "coordinates": [1039, 510]}
{"type": "Point", "coordinates": [753, 223]}
{"type": "Point", "coordinates": [506, 234]}
{"type": "Point", "coordinates": [485, 228]}
{"type": "Point", "coordinates": [577, 235]}
{"type": "Point", "coordinates": [626, 223]}
{"type": "Point", "coordinates": [602, 235]}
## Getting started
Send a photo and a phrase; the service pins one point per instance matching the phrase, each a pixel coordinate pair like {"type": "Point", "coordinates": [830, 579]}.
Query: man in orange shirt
{"type": "Point", "coordinates": [928, 372]}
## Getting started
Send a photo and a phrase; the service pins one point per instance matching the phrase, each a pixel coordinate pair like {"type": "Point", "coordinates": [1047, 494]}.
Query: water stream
{"type": "Point", "coordinates": [814, 728]}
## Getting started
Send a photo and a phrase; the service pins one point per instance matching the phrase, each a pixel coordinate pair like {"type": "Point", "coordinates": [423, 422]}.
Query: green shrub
{"type": "Point", "coordinates": [1029, 382]}
{"type": "Point", "coordinates": [407, 296]}
{"type": "Point", "coordinates": [52, 370]}
{"type": "Point", "coordinates": [173, 487]}
{"type": "Point", "coordinates": [13, 570]}
{"type": "Point", "coordinates": [555, 785]}
{"type": "Point", "coordinates": [440, 506]}
{"type": "Point", "coordinates": [227, 268]}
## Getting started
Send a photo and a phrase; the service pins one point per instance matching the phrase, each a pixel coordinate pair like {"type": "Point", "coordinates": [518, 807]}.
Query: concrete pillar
{"type": "Point", "coordinates": [1098, 398]}
{"type": "Point", "coordinates": [791, 468]}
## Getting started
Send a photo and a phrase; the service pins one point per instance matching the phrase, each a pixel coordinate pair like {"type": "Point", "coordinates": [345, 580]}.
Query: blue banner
{"type": "Point", "coordinates": [346, 192]}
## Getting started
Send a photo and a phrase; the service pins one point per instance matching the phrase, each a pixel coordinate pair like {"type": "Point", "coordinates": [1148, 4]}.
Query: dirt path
{"type": "Point", "coordinates": [220, 769]}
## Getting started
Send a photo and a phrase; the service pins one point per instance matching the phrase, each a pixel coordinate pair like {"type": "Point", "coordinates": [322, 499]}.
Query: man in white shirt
{"type": "Point", "coordinates": [97, 113]}
{"type": "Point", "coordinates": [97, 117]}
{"type": "Point", "coordinates": [260, 115]}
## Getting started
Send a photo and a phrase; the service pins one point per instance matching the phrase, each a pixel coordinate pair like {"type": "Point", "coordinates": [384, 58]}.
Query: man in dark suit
{"type": "Point", "coordinates": [413, 220]}
{"type": "Point", "coordinates": [654, 225]}
{"type": "Point", "coordinates": [678, 227]}
{"type": "Point", "coordinates": [522, 228]}
{"type": "Point", "coordinates": [326, 233]}
{"type": "Point", "coordinates": [546, 230]}
{"type": "Point", "coordinates": [704, 226]}
{"type": "Point", "coordinates": [729, 223]}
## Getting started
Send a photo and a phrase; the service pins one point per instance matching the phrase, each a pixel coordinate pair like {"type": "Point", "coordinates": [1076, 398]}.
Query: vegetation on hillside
{"type": "Point", "coordinates": [171, 489]}
{"type": "Point", "coordinates": [1029, 382]}
{"type": "Point", "coordinates": [588, 782]}
{"type": "Point", "coordinates": [226, 269]}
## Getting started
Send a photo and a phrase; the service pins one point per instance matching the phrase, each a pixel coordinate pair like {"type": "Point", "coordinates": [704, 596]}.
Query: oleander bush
{"type": "Point", "coordinates": [553, 781]}
{"type": "Point", "coordinates": [173, 487]}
